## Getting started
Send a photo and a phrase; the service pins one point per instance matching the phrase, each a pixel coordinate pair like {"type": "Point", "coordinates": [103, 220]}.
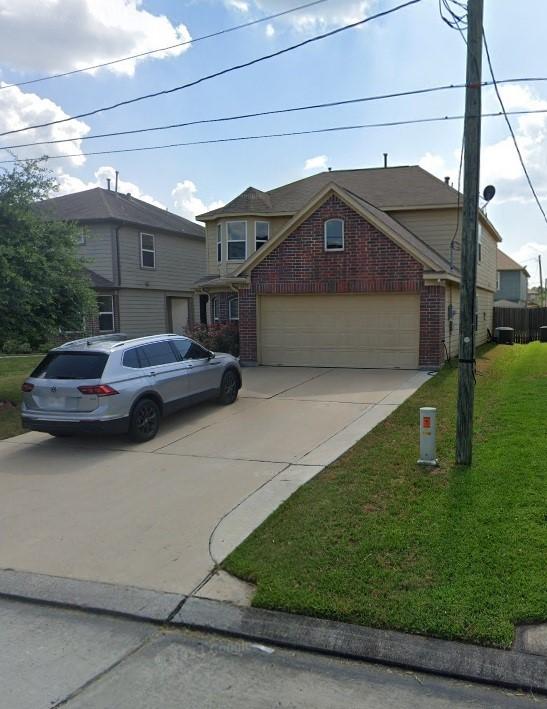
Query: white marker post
{"type": "Point", "coordinates": [428, 436]}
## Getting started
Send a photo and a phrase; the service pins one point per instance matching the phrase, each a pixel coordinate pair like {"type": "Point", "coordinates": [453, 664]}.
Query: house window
{"type": "Point", "coordinates": [81, 238]}
{"type": "Point", "coordinates": [215, 309]}
{"type": "Point", "coordinates": [219, 243]}
{"type": "Point", "coordinates": [237, 241]}
{"type": "Point", "coordinates": [233, 308]}
{"type": "Point", "coordinates": [148, 251]}
{"type": "Point", "coordinates": [105, 304]}
{"type": "Point", "coordinates": [498, 280]}
{"type": "Point", "coordinates": [334, 235]}
{"type": "Point", "coordinates": [262, 233]}
{"type": "Point", "coordinates": [479, 245]}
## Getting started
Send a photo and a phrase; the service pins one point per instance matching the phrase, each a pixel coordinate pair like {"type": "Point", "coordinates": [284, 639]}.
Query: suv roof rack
{"type": "Point", "coordinates": [147, 337]}
{"type": "Point", "coordinates": [114, 337]}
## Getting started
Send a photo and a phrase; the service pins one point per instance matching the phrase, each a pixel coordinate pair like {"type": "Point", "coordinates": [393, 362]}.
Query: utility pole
{"type": "Point", "coordinates": [472, 146]}
{"type": "Point", "coordinates": [541, 298]}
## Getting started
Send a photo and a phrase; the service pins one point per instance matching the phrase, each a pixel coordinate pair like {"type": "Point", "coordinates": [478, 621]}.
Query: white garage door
{"type": "Point", "coordinates": [340, 330]}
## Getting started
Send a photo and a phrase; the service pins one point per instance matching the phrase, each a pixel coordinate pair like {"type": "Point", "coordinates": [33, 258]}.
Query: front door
{"type": "Point", "coordinates": [179, 314]}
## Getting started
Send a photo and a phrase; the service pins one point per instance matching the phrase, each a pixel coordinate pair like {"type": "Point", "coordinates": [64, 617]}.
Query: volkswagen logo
{"type": "Point", "coordinates": [53, 390]}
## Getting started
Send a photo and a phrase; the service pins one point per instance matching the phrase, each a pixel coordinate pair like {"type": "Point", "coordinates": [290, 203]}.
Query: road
{"type": "Point", "coordinates": [51, 657]}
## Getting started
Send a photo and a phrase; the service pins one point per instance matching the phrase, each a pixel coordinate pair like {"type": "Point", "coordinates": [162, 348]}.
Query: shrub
{"type": "Point", "coordinates": [16, 347]}
{"type": "Point", "coordinates": [218, 337]}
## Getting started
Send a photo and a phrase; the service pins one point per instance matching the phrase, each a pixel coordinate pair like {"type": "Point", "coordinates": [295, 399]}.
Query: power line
{"type": "Point", "coordinates": [164, 49]}
{"type": "Point", "coordinates": [221, 119]}
{"type": "Point", "coordinates": [222, 72]}
{"type": "Point", "coordinates": [513, 136]}
{"type": "Point", "coordinates": [333, 129]}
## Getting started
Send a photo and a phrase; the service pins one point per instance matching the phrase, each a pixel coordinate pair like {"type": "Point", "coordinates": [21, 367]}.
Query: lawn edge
{"type": "Point", "coordinates": [508, 668]}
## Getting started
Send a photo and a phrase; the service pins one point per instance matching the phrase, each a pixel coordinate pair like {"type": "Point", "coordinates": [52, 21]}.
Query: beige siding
{"type": "Point", "coordinates": [97, 249]}
{"type": "Point", "coordinates": [180, 261]}
{"type": "Point", "coordinates": [142, 312]}
{"type": "Point", "coordinates": [486, 269]}
{"type": "Point", "coordinates": [226, 267]}
{"type": "Point", "coordinates": [485, 313]}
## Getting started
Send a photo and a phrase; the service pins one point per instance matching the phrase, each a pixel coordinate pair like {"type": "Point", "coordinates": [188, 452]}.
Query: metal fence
{"type": "Point", "coordinates": [524, 321]}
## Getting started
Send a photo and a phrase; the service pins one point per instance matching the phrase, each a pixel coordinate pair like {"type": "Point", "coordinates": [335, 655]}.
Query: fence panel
{"type": "Point", "coordinates": [524, 321]}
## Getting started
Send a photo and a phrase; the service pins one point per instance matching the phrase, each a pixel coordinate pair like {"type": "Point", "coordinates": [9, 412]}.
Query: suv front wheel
{"type": "Point", "coordinates": [145, 421]}
{"type": "Point", "coordinates": [229, 387]}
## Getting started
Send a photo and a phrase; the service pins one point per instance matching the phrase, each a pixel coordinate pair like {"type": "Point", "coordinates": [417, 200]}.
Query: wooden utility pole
{"type": "Point", "coordinates": [541, 298]}
{"type": "Point", "coordinates": [472, 146]}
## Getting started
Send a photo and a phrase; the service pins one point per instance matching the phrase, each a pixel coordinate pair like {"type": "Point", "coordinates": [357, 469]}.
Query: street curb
{"type": "Point", "coordinates": [507, 668]}
{"type": "Point", "coordinates": [127, 601]}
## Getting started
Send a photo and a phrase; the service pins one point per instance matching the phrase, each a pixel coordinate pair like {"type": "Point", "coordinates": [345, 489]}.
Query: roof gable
{"type": "Point", "coordinates": [383, 222]}
{"type": "Point", "coordinates": [506, 263]}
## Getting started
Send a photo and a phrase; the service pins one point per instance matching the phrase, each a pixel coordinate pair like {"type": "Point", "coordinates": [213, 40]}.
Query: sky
{"type": "Point", "coordinates": [406, 50]}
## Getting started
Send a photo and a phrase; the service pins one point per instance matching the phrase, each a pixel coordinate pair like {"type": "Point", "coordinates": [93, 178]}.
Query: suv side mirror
{"type": "Point", "coordinates": [212, 355]}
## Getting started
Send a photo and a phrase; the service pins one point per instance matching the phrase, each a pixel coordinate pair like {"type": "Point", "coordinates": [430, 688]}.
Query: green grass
{"type": "Point", "coordinates": [452, 552]}
{"type": "Point", "coordinates": [13, 370]}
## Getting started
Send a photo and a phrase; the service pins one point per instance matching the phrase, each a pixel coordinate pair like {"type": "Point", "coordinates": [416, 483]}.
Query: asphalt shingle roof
{"type": "Point", "coordinates": [386, 188]}
{"type": "Point", "coordinates": [506, 263]}
{"type": "Point", "coordinates": [98, 204]}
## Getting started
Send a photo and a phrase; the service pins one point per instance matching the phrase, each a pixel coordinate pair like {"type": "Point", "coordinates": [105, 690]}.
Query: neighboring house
{"type": "Point", "coordinates": [347, 268]}
{"type": "Point", "coordinates": [511, 283]}
{"type": "Point", "coordinates": [142, 260]}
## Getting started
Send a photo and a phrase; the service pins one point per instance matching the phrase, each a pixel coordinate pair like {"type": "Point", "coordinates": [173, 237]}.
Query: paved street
{"type": "Point", "coordinates": [51, 657]}
{"type": "Point", "coordinates": [159, 515]}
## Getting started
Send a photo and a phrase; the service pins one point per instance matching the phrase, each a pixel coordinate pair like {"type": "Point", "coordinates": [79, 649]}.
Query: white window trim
{"type": "Point", "coordinates": [107, 312]}
{"type": "Point", "coordinates": [262, 241]}
{"type": "Point", "coordinates": [235, 241]}
{"type": "Point", "coordinates": [219, 243]}
{"type": "Point", "coordinates": [215, 308]}
{"type": "Point", "coordinates": [231, 301]}
{"type": "Point", "coordinates": [148, 251]}
{"type": "Point", "coordinates": [338, 248]}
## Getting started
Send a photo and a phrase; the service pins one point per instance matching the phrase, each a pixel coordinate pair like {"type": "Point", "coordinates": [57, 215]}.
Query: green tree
{"type": "Point", "coordinates": [43, 285]}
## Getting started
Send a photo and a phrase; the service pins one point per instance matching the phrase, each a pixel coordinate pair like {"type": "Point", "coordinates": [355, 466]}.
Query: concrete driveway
{"type": "Point", "coordinates": [161, 515]}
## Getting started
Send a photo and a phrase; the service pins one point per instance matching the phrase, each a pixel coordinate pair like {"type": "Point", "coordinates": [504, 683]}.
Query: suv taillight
{"type": "Point", "coordinates": [27, 386]}
{"type": "Point", "coordinates": [98, 390]}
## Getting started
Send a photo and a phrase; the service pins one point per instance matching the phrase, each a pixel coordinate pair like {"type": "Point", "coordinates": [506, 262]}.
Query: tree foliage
{"type": "Point", "coordinates": [43, 285]}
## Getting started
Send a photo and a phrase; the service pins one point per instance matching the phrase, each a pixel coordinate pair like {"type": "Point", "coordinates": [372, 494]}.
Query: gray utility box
{"type": "Point", "coordinates": [504, 335]}
{"type": "Point", "coordinates": [543, 333]}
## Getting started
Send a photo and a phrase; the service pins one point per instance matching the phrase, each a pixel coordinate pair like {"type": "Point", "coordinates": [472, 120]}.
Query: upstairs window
{"type": "Point", "coordinates": [237, 241]}
{"type": "Point", "coordinates": [498, 280]}
{"type": "Point", "coordinates": [334, 235]}
{"type": "Point", "coordinates": [262, 233]}
{"type": "Point", "coordinates": [233, 308]}
{"type": "Point", "coordinates": [479, 244]}
{"type": "Point", "coordinates": [219, 243]}
{"type": "Point", "coordinates": [148, 251]}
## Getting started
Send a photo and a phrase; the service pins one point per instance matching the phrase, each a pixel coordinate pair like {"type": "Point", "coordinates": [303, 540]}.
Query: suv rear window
{"type": "Point", "coordinates": [71, 365]}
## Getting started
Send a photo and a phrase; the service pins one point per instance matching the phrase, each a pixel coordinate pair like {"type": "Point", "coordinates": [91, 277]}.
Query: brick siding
{"type": "Point", "coordinates": [370, 263]}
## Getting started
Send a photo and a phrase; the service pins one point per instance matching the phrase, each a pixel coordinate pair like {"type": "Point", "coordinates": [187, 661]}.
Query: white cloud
{"type": "Point", "coordinates": [188, 203]}
{"type": "Point", "coordinates": [59, 35]}
{"type": "Point", "coordinates": [70, 183]}
{"type": "Point", "coordinates": [527, 255]}
{"type": "Point", "coordinates": [18, 109]}
{"type": "Point", "coordinates": [320, 17]}
{"type": "Point", "coordinates": [319, 162]}
{"type": "Point", "coordinates": [270, 30]}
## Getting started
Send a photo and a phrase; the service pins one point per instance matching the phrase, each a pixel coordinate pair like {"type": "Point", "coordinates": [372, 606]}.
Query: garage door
{"type": "Point", "coordinates": [340, 330]}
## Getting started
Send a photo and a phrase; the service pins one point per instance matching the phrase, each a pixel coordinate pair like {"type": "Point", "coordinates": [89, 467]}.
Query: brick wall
{"type": "Point", "coordinates": [370, 263]}
{"type": "Point", "coordinates": [223, 299]}
{"type": "Point", "coordinates": [432, 331]}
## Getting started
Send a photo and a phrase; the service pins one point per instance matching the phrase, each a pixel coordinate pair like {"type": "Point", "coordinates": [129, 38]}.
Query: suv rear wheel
{"type": "Point", "coordinates": [229, 387]}
{"type": "Point", "coordinates": [145, 421]}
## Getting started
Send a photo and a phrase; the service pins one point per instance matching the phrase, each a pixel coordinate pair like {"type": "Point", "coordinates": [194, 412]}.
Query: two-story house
{"type": "Point", "coordinates": [511, 283]}
{"type": "Point", "coordinates": [142, 260]}
{"type": "Point", "coordinates": [346, 268]}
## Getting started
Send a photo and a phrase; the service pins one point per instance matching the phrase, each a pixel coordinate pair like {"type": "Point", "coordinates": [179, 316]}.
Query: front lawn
{"type": "Point", "coordinates": [13, 371]}
{"type": "Point", "coordinates": [452, 552]}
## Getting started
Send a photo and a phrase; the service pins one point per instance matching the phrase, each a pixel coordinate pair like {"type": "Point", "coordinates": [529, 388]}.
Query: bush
{"type": "Point", "coordinates": [218, 337]}
{"type": "Point", "coordinates": [11, 347]}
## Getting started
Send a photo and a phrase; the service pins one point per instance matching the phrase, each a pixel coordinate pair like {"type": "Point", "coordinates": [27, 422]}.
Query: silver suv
{"type": "Point", "coordinates": [112, 384]}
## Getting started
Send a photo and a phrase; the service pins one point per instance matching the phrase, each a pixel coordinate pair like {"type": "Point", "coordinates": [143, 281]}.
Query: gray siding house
{"type": "Point", "coordinates": [511, 284]}
{"type": "Point", "coordinates": [142, 260]}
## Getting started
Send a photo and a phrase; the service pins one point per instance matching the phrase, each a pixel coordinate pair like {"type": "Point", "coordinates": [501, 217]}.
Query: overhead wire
{"type": "Point", "coordinates": [219, 73]}
{"type": "Point", "coordinates": [194, 40]}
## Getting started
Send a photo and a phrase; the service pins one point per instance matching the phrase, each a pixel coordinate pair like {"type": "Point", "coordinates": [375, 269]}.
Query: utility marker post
{"type": "Point", "coordinates": [472, 144]}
